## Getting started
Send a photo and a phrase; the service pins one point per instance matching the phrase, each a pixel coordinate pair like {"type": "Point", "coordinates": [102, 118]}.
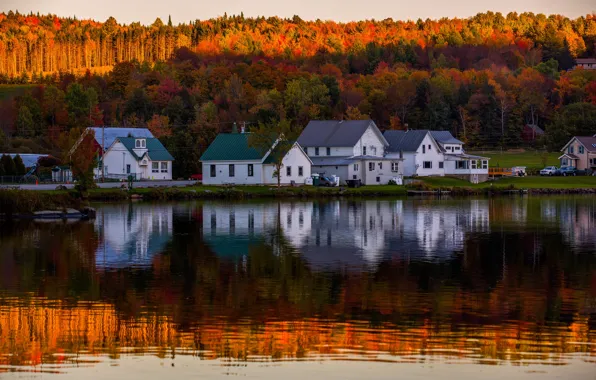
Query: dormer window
{"type": "Point", "coordinates": [140, 143]}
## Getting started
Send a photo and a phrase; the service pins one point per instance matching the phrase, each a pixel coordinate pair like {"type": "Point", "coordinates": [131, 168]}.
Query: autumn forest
{"type": "Point", "coordinates": [482, 78]}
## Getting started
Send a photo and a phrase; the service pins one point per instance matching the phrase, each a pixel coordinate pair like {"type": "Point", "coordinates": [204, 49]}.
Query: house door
{"type": "Point", "coordinates": [127, 168]}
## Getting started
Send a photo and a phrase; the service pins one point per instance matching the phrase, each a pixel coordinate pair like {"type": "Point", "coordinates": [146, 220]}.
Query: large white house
{"type": "Point", "coordinates": [141, 157]}
{"type": "Point", "coordinates": [435, 153]}
{"type": "Point", "coordinates": [231, 160]}
{"type": "Point", "coordinates": [350, 149]}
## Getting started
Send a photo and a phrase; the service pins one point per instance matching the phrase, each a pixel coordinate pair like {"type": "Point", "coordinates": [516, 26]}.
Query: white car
{"type": "Point", "coordinates": [549, 170]}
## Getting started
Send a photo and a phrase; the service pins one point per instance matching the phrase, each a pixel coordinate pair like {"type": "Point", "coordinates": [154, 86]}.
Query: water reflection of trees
{"type": "Point", "coordinates": [507, 293]}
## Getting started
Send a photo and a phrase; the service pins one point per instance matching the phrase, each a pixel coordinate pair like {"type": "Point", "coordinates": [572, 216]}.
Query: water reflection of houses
{"type": "Point", "coordinates": [441, 228]}
{"type": "Point", "coordinates": [131, 235]}
{"type": "Point", "coordinates": [351, 233]}
{"type": "Point", "coordinates": [230, 229]}
{"type": "Point", "coordinates": [576, 220]}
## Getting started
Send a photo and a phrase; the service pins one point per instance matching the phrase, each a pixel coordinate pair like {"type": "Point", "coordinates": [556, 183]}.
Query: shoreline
{"type": "Point", "coordinates": [25, 203]}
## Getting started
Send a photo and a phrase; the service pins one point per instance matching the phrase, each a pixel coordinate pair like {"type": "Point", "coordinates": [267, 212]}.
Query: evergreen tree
{"type": "Point", "coordinates": [19, 165]}
{"type": "Point", "coordinates": [8, 165]}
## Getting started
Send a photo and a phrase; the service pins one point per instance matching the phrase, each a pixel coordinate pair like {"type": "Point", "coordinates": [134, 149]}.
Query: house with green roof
{"type": "Point", "coordinates": [145, 158]}
{"type": "Point", "coordinates": [230, 159]}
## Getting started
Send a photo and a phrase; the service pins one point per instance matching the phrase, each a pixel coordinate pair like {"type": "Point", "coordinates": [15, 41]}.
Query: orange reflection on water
{"type": "Point", "coordinates": [42, 331]}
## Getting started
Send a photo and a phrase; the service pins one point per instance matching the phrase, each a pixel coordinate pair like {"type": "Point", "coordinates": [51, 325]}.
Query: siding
{"type": "Point", "coordinates": [118, 156]}
{"type": "Point", "coordinates": [240, 173]}
{"type": "Point", "coordinates": [369, 139]}
{"type": "Point", "coordinates": [433, 155]}
{"type": "Point", "coordinates": [294, 158]}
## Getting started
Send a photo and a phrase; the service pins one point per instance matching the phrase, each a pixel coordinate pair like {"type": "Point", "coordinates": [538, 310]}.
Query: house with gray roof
{"type": "Point", "coordinates": [144, 158]}
{"type": "Point", "coordinates": [580, 152]}
{"type": "Point", "coordinates": [435, 153]}
{"type": "Point", "coordinates": [230, 159]}
{"type": "Point", "coordinates": [349, 149]}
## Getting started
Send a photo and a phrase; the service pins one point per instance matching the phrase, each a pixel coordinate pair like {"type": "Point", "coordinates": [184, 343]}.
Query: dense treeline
{"type": "Point", "coordinates": [41, 44]}
{"type": "Point", "coordinates": [484, 90]}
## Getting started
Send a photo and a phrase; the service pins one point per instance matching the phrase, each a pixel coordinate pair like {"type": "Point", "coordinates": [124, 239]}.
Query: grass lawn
{"type": "Point", "coordinates": [10, 90]}
{"type": "Point", "coordinates": [532, 182]}
{"type": "Point", "coordinates": [530, 159]}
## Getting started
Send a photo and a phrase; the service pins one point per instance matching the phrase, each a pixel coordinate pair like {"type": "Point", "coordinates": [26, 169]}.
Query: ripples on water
{"type": "Point", "coordinates": [506, 281]}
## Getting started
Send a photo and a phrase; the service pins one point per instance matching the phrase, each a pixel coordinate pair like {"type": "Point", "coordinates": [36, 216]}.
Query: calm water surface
{"type": "Point", "coordinates": [460, 289]}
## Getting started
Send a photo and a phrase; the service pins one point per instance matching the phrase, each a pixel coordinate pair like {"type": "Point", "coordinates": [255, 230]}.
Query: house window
{"type": "Point", "coordinates": [571, 149]}
{"type": "Point", "coordinates": [373, 150]}
{"type": "Point", "coordinates": [155, 167]}
{"type": "Point", "coordinates": [441, 165]}
{"type": "Point", "coordinates": [329, 151]}
{"type": "Point", "coordinates": [461, 164]}
{"type": "Point", "coordinates": [484, 164]}
{"type": "Point", "coordinates": [140, 143]}
{"type": "Point", "coordinates": [231, 171]}
{"type": "Point", "coordinates": [127, 168]}
{"type": "Point", "coordinates": [564, 162]}
{"type": "Point", "coordinates": [251, 170]}
{"type": "Point", "coordinates": [371, 166]}
{"type": "Point", "coordinates": [164, 167]}
{"type": "Point", "coordinates": [427, 165]}
{"type": "Point", "coordinates": [380, 165]}
{"type": "Point", "coordinates": [394, 167]}
{"type": "Point", "coordinates": [300, 171]}
{"type": "Point", "coordinates": [364, 151]}
{"type": "Point", "coordinates": [378, 179]}
{"type": "Point", "coordinates": [581, 150]}
{"type": "Point", "coordinates": [457, 148]}
{"type": "Point", "coordinates": [316, 151]}
{"type": "Point", "coordinates": [212, 170]}
{"type": "Point", "coordinates": [429, 147]}
{"type": "Point", "coordinates": [474, 164]}
{"type": "Point", "coordinates": [289, 171]}
{"type": "Point", "coordinates": [355, 167]}
{"type": "Point", "coordinates": [423, 148]}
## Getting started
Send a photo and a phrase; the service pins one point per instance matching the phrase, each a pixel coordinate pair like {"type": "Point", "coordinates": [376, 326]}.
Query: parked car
{"type": "Point", "coordinates": [570, 171]}
{"type": "Point", "coordinates": [549, 170]}
{"type": "Point", "coordinates": [326, 181]}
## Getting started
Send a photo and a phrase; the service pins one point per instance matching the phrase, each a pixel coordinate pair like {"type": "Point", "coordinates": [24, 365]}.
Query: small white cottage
{"type": "Point", "coordinates": [231, 160]}
{"type": "Point", "coordinates": [143, 158]}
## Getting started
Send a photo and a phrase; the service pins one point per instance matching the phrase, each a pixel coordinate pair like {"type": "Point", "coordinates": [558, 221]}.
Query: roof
{"type": "Point", "coordinates": [29, 159]}
{"type": "Point", "coordinates": [535, 128]}
{"type": "Point", "coordinates": [569, 155]}
{"type": "Point", "coordinates": [589, 142]}
{"type": "Point", "coordinates": [336, 133]}
{"type": "Point", "coordinates": [466, 156]}
{"type": "Point", "coordinates": [274, 152]}
{"type": "Point", "coordinates": [332, 161]}
{"type": "Point", "coordinates": [155, 149]}
{"type": "Point", "coordinates": [445, 137]}
{"type": "Point", "coordinates": [342, 160]}
{"type": "Point", "coordinates": [407, 141]}
{"type": "Point", "coordinates": [110, 134]}
{"type": "Point", "coordinates": [232, 147]}
{"type": "Point", "coordinates": [585, 60]}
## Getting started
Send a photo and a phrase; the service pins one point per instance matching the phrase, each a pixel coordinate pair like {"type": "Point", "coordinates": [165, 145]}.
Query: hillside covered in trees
{"type": "Point", "coordinates": [482, 78]}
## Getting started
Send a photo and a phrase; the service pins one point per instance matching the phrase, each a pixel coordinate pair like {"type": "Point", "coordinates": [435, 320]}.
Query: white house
{"type": "Point", "coordinates": [231, 160]}
{"type": "Point", "coordinates": [350, 149]}
{"type": "Point", "coordinates": [435, 153]}
{"type": "Point", "coordinates": [143, 158]}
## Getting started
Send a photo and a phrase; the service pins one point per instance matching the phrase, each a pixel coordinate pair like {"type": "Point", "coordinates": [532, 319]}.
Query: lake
{"type": "Point", "coordinates": [452, 289]}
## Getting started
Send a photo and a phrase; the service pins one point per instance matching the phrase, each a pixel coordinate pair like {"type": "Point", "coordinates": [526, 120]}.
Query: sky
{"type": "Point", "coordinates": [146, 11]}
